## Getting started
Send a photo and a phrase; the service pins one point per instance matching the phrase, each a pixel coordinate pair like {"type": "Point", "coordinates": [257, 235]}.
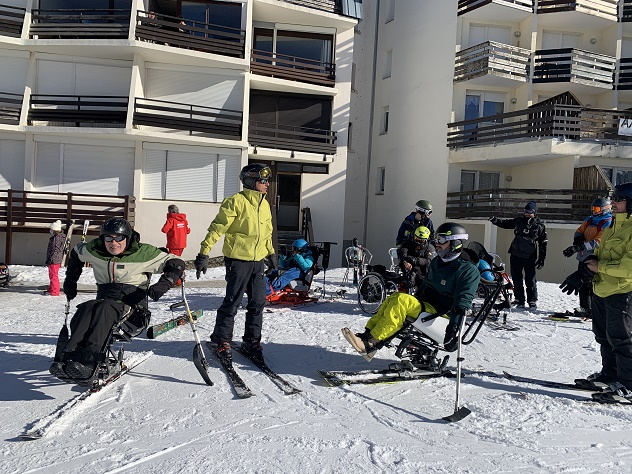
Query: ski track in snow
{"type": "Point", "coordinates": [162, 418]}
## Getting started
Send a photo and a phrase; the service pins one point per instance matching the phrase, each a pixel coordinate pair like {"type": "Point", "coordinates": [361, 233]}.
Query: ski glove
{"type": "Point", "coordinates": [578, 240]}
{"type": "Point", "coordinates": [274, 261]}
{"type": "Point", "coordinates": [540, 263]}
{"type": "Point", "coordinates": [70, 289]}
{"type": "Point", "coordinates": [172, 273]}
{"type": "Point", "coordinates": [569, 251]}
{"type": "Point", "coordinates": [451, 339]}
{"type": "Point", "coordinates": [134, 298]}
{"type": "Point", "coordinates": [572, 283]}
{"type": "Point", "coordinates": [201, 264]}
{"type": "Point", "coordinates": [494, 220]}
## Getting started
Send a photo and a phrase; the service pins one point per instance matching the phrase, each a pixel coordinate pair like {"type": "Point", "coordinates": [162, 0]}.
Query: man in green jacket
{"type": "Point", "coordinates": [246, 221]}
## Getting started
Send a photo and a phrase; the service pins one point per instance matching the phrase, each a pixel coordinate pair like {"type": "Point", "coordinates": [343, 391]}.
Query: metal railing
{"type": "Point", "coordinates": [223, 123]}
{"type": "Point", "coordinates": [493, 58]}
{"type": "Point", "coordinates": [80, 23]}
{"type": "Point", "coordinates": [561, 205]}
{"type": "Point", "coordinates": [290, 137]}
{"type": "Point", "coordinates": [293, 68]}
{"type": "Point", "coordinates": [570, 122]}
{"type": "Point", "coordinates": [602, 8]}
{"type": "Point", "coordinates": [78, 111]}
{"type": "Point", "coordinates": [190, 34]}
{"type": "Point", "coordinates": [10, 107]}
{"type": "Point", "coordinates": [11, 20]}
{"type": "Point", "coordinates": [466, 6]}
{"type": "Point", "coordinates": [574, 65]}
{"type": "Point", "coordinates": [331, 6]}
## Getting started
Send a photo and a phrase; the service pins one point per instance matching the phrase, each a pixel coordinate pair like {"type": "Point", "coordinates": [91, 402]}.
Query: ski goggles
{"type": "Point", "coordinates": [116, 238]}
{"type": "Point", "coordinates": [598, 208]}
{"type": "Point", "coordinates": [262, 174]}
{"type": "Point", "coordinates": [423, 211]}
{"type": "Point", "coordinates": [529, 212]}
{"type": "Point", "coordinates": [442, 239]}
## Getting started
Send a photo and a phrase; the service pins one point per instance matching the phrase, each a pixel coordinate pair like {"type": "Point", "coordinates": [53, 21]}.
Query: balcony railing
{"type": "Point", "coordinates": [627, 11]}
{"type": "Point", "coordinates": [562, 205]}
{"type": "Point", "coordinates": [80, 24]}
{"type": "Point", "coordinates": [569, 122]}
{"type": "Point", "coordinates": [289, 137]}
{"type": "Point", "coordinates": [466, 6]}
{"type": "Point", "coordinates": [602, 8]}
{"type": "Point", "coordinates": [11, 20]}
{"type": "Point", "coordinates": [190, 34]}
{"type": "Point", "coordinates": [331, 6]}
{"type": "Point", "coordinates": [625, 74]}
{"type": "Point", "coordinates": [78, 111]}
{"type": "Point", "coordinates": [222, 123]}
{"type": "Point", "coordinates": [293, 68]}
{"type": "Point", "coordinates": [492, 58]}
{"type": "Point", "coordinates": [33, 211]}
{"type": "Point", "coordinates": [10, 106]}
{"type": "Point", "coordinates": [574, 65]}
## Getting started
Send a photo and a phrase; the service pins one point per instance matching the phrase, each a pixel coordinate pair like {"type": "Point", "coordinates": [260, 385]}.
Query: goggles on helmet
{"type": "Point", "coordinates": [423, 211]}
{"type": "Point", "coordinates": [262, 174]}
{"type": "Point", "coordinates": [598, 209]}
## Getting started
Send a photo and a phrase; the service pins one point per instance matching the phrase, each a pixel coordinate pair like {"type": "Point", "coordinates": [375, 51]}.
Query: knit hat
{"type": "Point", "coordinates": [56, 226]}
{"type": "Point", "coordinates": [173, 209]}
{"type": "Point", "coordinates": [531, 206]}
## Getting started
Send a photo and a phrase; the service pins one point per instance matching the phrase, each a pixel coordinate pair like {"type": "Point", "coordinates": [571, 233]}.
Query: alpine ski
{"type": "Point", "coordinates": [336, 378]}
{"type": "Point", "coordinates": [285, 386]}
{"type": "Point", "coordinates": [241, 389]}
{"type": "Point", "coordinates": [161, 328]}
{"type": "Point", "coordinates": [70, 226]}
{"type": "Point", "coordinates": [580, 386]}
{"type": "Point", "coordinates": [46, 425]}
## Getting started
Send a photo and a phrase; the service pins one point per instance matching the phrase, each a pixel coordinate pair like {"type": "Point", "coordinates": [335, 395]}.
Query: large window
{"type": "Point", "coordinates": [294, 44]}
{"type": "Point", "coordinates": [217, 14]}
{"type": "Point", "coordinates": [618, 175]}
{"type": "Point", "coordinates": [85, 4]}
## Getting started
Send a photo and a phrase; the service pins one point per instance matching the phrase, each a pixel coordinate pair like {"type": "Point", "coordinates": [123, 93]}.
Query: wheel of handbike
{"type": "Point", "coordinates": [372, 291]}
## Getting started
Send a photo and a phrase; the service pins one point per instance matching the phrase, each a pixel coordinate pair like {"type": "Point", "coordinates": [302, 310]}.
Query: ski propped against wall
{"type": "Point", "coordinates": [70, 227]}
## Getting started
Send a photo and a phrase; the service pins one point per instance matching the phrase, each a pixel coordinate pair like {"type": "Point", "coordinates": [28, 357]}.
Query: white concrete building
{"type": "Point", "coordinates": [482, 105]}
{"type": "Point", "coordinates": [165, 100]}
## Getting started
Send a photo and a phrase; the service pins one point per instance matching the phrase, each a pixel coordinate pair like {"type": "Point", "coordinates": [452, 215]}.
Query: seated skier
{"type": "Point", "coordinates": [122, 269]}
{"type": "Point", "coordinates": [448, 290]}
{"type": "Point", "coordinates": [291, 267]}
{"type": "Point", "coordinates": [415, 255]}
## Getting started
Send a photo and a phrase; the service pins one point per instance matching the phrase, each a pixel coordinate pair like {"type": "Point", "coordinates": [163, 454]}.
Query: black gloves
{"type": "Point", "coordinates": [70, 289]}
{"type": "Point", "coordinates": [274, 261]}
{"type": "Point", "coordinates": [451, 339]}
{"type": "Point", "coordinates": [134, 298]}
{"type": "Point", "coordinates": [579, 240]}
{"type": "Point", "coordinates": [576, 280]}
{"type": "Point", "coordinates": [159, 288]}
{"type": "Point", "coordinates": [493, 220]}
{"type": "Point", "coordinates": [539, 263]}
{"type": "Point", "coordinates": [201, 264]}
{"type": "Point", "coordinates": [569, 251]}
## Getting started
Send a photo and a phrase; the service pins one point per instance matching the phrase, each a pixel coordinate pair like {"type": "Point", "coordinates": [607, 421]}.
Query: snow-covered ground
{"type": "Point", "coordinates": [162, 418]}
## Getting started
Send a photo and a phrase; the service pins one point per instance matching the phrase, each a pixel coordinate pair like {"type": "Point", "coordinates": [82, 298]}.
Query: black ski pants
{"type": "Point", "coordinates": [612, 326]}
{"type": "Point", "coordinates": [526, 265]}
{"type": "Point", "coordinates": [241, 277]}
{"type": "Point", "coordinates": [90, 329]}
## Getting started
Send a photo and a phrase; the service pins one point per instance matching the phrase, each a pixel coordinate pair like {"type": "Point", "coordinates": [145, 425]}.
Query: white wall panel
{"type": "Point", "coordinates": [11, 164]}
{"type": "Point", "coordinates": [13, 75]}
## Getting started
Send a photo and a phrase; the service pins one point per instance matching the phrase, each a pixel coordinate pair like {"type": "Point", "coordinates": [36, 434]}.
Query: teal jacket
{"type": "Point", "coordinates": [615, 259]}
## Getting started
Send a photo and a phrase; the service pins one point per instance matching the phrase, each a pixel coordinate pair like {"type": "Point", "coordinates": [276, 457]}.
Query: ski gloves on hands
{"type": "Point", "coordinates": [451, 339]}
{"type": "Point", "coordinates": [578, 246]}
{"type": "Point", "coordinates": [576, 280]}
{"type": "Point", "coordinates": [493, 220]}
{"type": "Point", "coordinates": [539, 263]}
{"type": "Point", "coordinates": [201, 264]}
{"type": "Point", "coordinates": [70, 289]}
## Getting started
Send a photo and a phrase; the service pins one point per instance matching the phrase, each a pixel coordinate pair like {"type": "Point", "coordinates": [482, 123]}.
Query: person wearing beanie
{"type": "Point", "coordinates": [176, 228]}
{"type": "Point", "coordinates": [527, 252]}
{"type": "Point", "coordinates": [54, 255]}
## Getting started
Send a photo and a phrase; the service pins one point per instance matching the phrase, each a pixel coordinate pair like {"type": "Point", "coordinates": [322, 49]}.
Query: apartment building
{"type": "Point", "coordinates": [163, 101]}
{"type": "Point", "coordinates": [482, 105]}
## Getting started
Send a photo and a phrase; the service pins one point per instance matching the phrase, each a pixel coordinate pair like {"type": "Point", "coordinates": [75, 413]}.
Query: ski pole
{"type": "Point", "coordinates": [62, 339]}
{"type": "Point", "coordinates": [199, 359]}
{"type": "Point", "coordinates": [459, 413]}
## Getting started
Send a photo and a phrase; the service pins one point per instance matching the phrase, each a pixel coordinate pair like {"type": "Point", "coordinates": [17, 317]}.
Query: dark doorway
{"type": "Point", "coordinates": [288, 198]}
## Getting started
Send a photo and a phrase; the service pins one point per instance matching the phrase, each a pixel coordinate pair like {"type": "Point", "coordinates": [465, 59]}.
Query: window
{"type": "Point", "coordinates": [384, 121]}
{"type": "Point", "coordinates": [381, 178]}
{"type": "Point", "coordinates": [552, 40]}
{"type": "Point", "coordinates": [388, 64]}
{"type": "Point", "coordinates": [353, 77]}
{"type": "Point", "coordinates": [481, 33]}
{"type": "Point", "coordinates": [482, 104]}
{"type": "Point", "coordinates": [618, 175]}
{"type": "Point", "coordinates": [390, 11]}
{"type": "Point", "coordinates": [201, 176]}
{"type": "Point", "coordinates": [350, 137]}
{"type": "Point", "coordinates": [475, 180]}
{"type": "Point", "coordinates": [292, 45]}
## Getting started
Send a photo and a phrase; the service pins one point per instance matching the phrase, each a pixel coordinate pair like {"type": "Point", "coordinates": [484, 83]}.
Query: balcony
{"type": "Point", "coordinates": [219, 123]}
{"type": "Point", "coordinates": [575, 66]}
{"type": "Point", "coordinates": [499, 64]}
{"type": "Point", "coordinates": [78, 111]}
{"type": "Point", "coordinates": [290, 137]}
{"type": "Point", "coordinates": [503, 8]}
{"type": "Point", "coordinates": [568, 122]}
{"type": "Point", "coordinates": [11, 20]}
{"type": "Point", "coordinates": [331, 6]}
{"type": "Point", "coordinates": [625, 74]}
{"type": "Point", "coordinates": [293, 68]}
{"type": "Point", "coordinates": [190, 34]}
{"type": "Point", "coordinates": [560, 205]}
{"type": "Point", "coordinates": [627, 11]}
{"type": "Point", "coordinates": [607, 9]}
{"type": "Point", "coordinates": [10, 106]}
{"type": "Point", "coordinates": [80, 24]}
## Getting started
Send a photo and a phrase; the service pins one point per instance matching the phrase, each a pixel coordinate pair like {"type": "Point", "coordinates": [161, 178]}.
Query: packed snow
{"type": "Point", "coordinates": [162, 418]}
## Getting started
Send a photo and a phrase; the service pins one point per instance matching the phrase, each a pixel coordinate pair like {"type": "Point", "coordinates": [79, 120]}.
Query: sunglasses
{"type": "Point", "coordinates": [264, 181]}
{"type": "Point", "coordinates": [118, 238]}
{"type": "Point", "coordinates": [529, 212]}
{"type": "Point", "coordinates": [617, 199]}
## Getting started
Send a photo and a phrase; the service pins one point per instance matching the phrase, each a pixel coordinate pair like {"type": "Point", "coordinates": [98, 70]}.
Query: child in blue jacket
{"type": "Point", "coordinates": [293, 267]}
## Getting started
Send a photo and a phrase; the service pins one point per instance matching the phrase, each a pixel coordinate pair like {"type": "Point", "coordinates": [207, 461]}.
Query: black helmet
{"type": "Point", "coordinates": [250, 174]}
{"type": "Point", "coordinates": [117, 225]}
{"type": "Point", "coordinates": [601, 206]}
{"type": "Point", "coordinates": [455, 234]}
{"type": "Point", "coordinates": [624, 191]}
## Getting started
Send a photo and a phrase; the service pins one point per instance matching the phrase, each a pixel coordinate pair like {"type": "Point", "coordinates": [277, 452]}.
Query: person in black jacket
{"type": "Point", "coordinates": [415, 256]}
{"type": "Point", "coordinates": [527, 252]}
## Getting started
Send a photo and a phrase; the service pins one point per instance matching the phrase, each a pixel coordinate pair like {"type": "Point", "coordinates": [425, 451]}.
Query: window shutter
{"type": "Point", "coordinates": [228, 168]}
{"type": "Point", "coordinates": [190, 176]}
{"type": "Point", "coordinates": [93, 169]}
{"type": "Point", "coordinates": [155, 174]}
{"type": "Point", "coordinates": [47, 167]}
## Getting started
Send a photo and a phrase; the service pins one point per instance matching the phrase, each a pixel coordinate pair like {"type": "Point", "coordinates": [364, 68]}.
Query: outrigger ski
{"type": "Point", "coordinates": [242, 390]}
{"type": "Point", "coordinates": [287, 387]}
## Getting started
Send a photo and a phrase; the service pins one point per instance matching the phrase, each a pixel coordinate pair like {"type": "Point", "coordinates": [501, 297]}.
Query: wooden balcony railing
{"type": "Point", "coordinates": [10, 106]}
{"type": "Point", "coordinates": [222, 123]}
{"type": "Point", "coordinates": [80, 24]}
{"type": "Point", "coordinates": [78, 111]}
{"type": "Point", "coordinates": [574, 65]}
{"type": "Point", "coordinates": [33, 211]}
{"type": "Point", "coordinates": [492, 58]}
{"type": "Point", "coordinates": [289, 137]}
{"type": "Point", "coordinates": [625, 74]}
{"type": "Point", "coordinates": [602, 8]}
{"type": "Point", "coordinates": [569, 122]}
{"type": "Point", "coordinates": [466, 6]}
{"type": "Point", "coordinates": [293, 68]}
{"type": "Point", "coordinates": [562, 205]}
{"type": "Point", "coordinates": [331, 6]}
{"type": "Point", "coordinates": [190, 34]}
{"type": "Point", "coordinates": [11, 20]}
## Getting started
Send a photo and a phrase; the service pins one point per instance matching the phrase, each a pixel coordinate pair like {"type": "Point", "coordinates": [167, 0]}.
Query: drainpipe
{"type": "Point", "coordinates": [371, 117]}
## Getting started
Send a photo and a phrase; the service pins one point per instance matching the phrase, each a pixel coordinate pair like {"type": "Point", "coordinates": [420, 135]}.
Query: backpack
{"type": "Point", "coordinates": [5, 276]}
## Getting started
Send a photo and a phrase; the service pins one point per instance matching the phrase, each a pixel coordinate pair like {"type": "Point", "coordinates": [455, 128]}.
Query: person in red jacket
{"type": "Point", "coordinates": [176, 228]}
